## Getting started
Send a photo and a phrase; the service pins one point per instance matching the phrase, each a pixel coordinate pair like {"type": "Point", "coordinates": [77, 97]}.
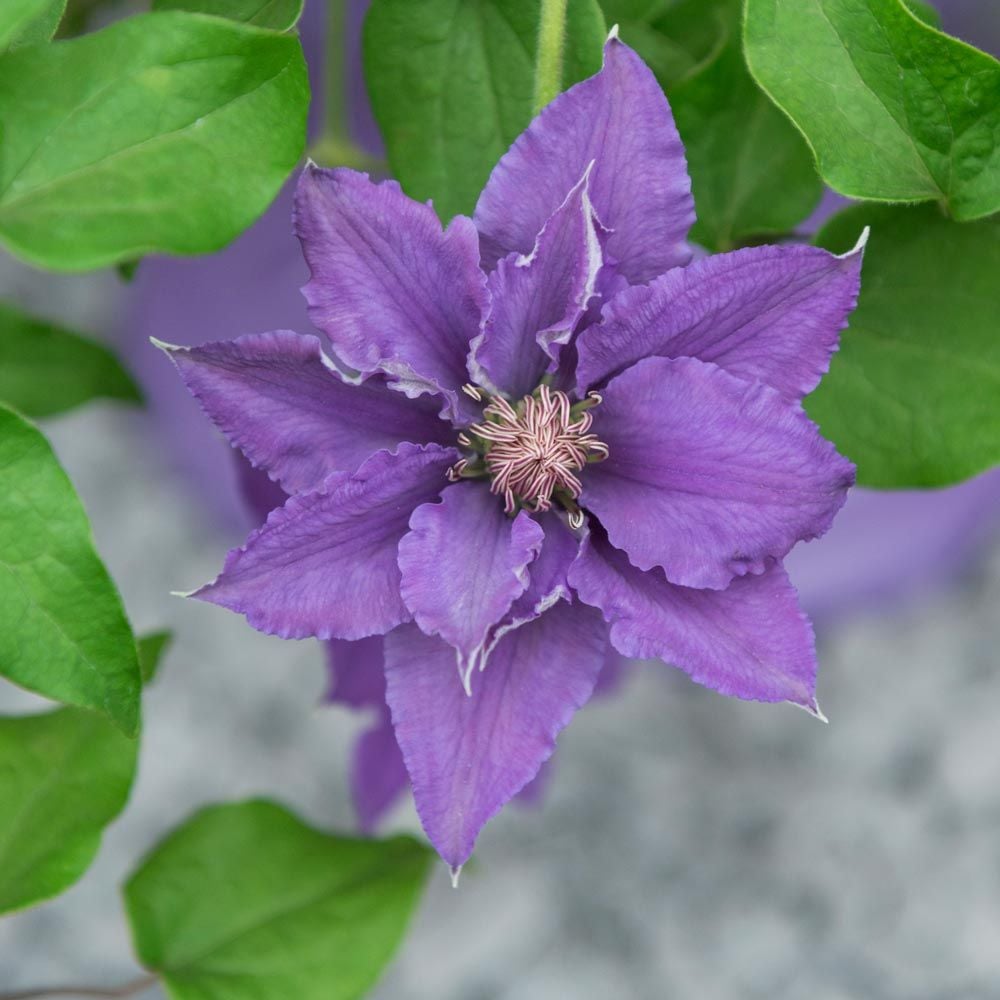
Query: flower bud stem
{"type": "Point", "coordinates": [549, 57]}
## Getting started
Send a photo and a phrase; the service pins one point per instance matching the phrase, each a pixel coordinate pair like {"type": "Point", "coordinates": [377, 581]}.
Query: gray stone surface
{"type": "Point", "coordinates": [690, 846]}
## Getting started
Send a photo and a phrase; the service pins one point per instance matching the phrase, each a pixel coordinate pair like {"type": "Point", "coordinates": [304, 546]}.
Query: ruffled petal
{"type": "Point", "coordinates": [750, 640]}
{"type": "Point", "coordinates": [357, 679]}
{"type": "Point", "coordinates": [539, 299]}
{"type": "Point", "coordinates": [279, 400]}
{"type": "Point", "coordinates": [463, 563]}
{"type": "Point", "coordinates": [324, 565]}
{"type": "Point", "coordinates": [468, 755]}
{"type": "Point", "coordinates": [640, 188]}
{"type": "Point", "coordinates": [709, 476]}
{"type": "Point", "coordinates": [391, 290]}
{"type": "Point", "coordinates": [548, 580]}
{"type": "Point", "coordinates": [771, 314]}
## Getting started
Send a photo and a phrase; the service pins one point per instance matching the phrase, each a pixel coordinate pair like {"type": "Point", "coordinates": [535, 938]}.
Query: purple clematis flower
{"type": "Point", "coordinates": [545, 435]}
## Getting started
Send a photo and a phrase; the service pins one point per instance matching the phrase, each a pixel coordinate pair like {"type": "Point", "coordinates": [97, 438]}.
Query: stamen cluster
{"type": "Point", "coordinates": [532, 450]}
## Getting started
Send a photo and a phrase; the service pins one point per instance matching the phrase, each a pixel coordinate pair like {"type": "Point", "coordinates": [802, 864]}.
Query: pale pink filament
{"type": "Point", "coordinates": [536, 450]}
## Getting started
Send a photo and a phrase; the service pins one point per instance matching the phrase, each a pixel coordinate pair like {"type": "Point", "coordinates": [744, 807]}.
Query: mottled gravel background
{"type": "Point", "coordinates": [690, 846]}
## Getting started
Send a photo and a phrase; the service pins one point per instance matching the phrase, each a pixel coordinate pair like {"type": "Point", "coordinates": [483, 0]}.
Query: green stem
{"type": "Point", "coordinates": [335, 146]}
{"type": "Point", "coordinates": [548, 62]}
{"type": "Point", "coordinates": [335, 125]}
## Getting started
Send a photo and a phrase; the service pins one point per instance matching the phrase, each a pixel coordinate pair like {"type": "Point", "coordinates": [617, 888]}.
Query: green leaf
{"type": "Point", "coordinates": [677, 39]}
{"type": "Point", "coordinates": [63, 632]}
{"type": "Point", "coordinates": [151, 649]}
{"type": "Point", "coordinates": [671, 61]}
{"type": "Point", "coordinates": [164, 132]}
{"type": "Point", "coordinates": [45, 369]}
{"type": "Point", "coordinates": [913, 394]}
{"type": "Point", "coordinates": [894, 110]}
{"type": "Point", "coordinates": [64, 776]}
{"type": "Point", "coordinates": [24, 22]}
{"type": "Point", "coordinates": [245, 902]}
{"type": "Point", "coordinates": [752, 174]}
{"type": "Point", "coordinates": [278, 15]}
{"type": "Point", "coordinates": [619, 11]}
{"type": "Point", "coordinates": [451, 85]}
{"type": "Point", "coordinates": [925, 11]}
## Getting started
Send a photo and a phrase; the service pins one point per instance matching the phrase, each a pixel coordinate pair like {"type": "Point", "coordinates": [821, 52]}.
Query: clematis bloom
{"type": "Point", "coordinates": [543, 437]}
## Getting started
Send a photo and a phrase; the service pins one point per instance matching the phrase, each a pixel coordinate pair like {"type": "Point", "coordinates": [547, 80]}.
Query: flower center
{"type": "Point", "coordinates": [531, 450]}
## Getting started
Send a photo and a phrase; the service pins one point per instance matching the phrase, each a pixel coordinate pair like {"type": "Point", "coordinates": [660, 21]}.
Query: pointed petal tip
{"type": "Point", "coordinates": [859, 246]}
{"type": "Point", "coordinates": [454, 871]}
{"type": "Point", "coordinates": [813, 709]}
{"type": "Point", "coordinates": [168, 349]}
{"type": "Point", "coordinates": [314, 173]}
{"type": "Point", "coordinates": [613, 34]}
{"type": "Point", "coordinates": [185, 593]}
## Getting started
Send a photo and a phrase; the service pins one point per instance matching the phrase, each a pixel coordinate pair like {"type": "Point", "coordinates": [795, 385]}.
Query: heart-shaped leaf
{"type": "Point", "coordinates": [894, 109]}
{"type": "Point", "coordinates": [246, 902]}
{"type": "Point", "coordinates": [163, 132]}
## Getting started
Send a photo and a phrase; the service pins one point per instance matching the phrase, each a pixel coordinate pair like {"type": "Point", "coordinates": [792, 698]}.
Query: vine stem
{"type": "Point", "coordinates": [113, 993]}
{"type": "Point", "coordinates": [335, 124]}
{"type": "Point", "coordinates": [549, 59]}
{"type": "Point", "coordinates": [335, 146]}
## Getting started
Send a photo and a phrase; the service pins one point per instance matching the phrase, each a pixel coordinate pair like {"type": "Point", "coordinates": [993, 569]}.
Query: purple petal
{"type": "Point", "coordinates": [391, 290]}
{"type": "Point", "coordinates": [771, 314]}
{"type": "Point", "coordinates": [259, 492]}
{"type": "Point", "coordinates": [750, 640]}
{"type": "Point", "coordinates": [356, 671]}
{"type": "Point", "coordinates": [539, 299]}
{"type": "Point", "coordinates": [609, 682]}
{"type": "Point", "coordinates": [284, 405]}
{"type": "Point", "coordinates": [463, 563]}
{"type": "Point", "coordinates": [709, 476]}
{"type": "Point", "coordinates": [547, 574]}
{"type": "Point", "coordinates": [535, 790]}
{"type": "Point", "coordinates": [639, 186]}
{"type": "Point", "coordinates": [614, 673]}
{"type": "Point", "coordinates": [324, 565]}
{"type": "Point", "coordinates": [468, 755]}
{"type": "Point", "coordinates": [547, 579]}
{"type": "Point", "coordinates": [378, 775]}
